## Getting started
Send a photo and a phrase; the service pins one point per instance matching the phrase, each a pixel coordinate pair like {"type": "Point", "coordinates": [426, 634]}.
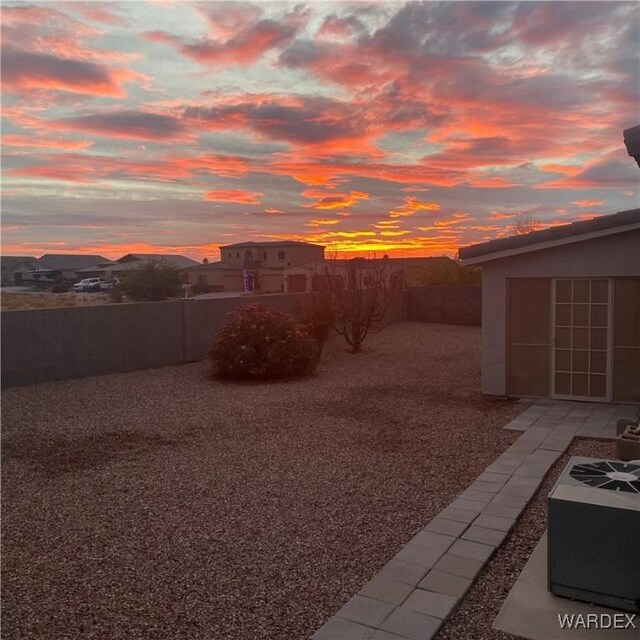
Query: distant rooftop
{"type": "Point", "coordinates": [567, 232]}
{"type": "Point", "coordinates": [70, 261]}
{"type": "Point", "coordinates": [178, 260]}
{"type": "Point", "coordinates": [8, 262]}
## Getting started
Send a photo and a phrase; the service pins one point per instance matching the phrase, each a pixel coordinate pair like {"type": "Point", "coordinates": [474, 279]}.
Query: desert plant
{"type": "Point", "coordinates": [362, 291]}
{"type": "Point", "coordinates": [152, 280]}
{"type": "Point", "coordinates": [261, 343]}
{"type": "Point", "coordinates": [315, 309]}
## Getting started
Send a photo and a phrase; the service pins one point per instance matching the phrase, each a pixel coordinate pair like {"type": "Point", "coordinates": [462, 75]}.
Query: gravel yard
{"type": "Point", "coordinates": [163, 505]}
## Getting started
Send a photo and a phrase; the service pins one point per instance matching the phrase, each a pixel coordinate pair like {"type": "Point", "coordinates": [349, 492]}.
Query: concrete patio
{"type": "Point", "coordinates": [414, 593]}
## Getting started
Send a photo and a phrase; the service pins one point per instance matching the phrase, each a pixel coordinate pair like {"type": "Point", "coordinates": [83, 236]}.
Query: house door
{"type": "Point", "coordinates": [581, 325]}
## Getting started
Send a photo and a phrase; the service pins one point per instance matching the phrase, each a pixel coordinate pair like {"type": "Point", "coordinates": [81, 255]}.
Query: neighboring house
{"type": "Point", "coordinates": [108, 269]}
{"type": "Point", "coordinates": [253, 266]}
{"type": "Point", "coordinates": [561, 311]}
{"type": "Point", "coordinates": [66, 265]}
{"type": "Point", "coordinates": [19, 270]}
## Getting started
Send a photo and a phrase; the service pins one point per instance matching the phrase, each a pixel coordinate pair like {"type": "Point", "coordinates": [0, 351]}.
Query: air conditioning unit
{"type": "Point", "coordinates": [594, 533]}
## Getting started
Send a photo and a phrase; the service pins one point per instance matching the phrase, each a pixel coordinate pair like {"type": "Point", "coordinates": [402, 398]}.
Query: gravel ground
{"type": "Point", "coordinates": [475, 614]}
{"type": "Point", "coordinates": [162, 504]}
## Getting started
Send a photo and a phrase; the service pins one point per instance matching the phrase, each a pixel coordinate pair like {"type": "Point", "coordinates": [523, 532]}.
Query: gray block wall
{"type": "Point", "coordinates": [41, 345]}
{"type": "Point", "coordinates": [445, 305]}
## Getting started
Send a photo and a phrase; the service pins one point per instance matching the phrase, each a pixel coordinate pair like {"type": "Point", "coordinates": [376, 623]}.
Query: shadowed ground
{"type": "Point", "coordinates": [161, 504]}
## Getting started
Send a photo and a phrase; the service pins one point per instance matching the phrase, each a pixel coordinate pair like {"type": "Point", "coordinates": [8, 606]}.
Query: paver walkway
{"type": "Point", "coordinates": [414, 593]}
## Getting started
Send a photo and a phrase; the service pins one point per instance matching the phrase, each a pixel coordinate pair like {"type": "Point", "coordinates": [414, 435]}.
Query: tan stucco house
{"type": "Point", "coordinates": [561, 311]}
{"type": "Point", "coordinates": [254, 266]}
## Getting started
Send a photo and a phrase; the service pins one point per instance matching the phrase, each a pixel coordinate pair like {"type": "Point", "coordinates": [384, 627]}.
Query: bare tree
{"type": "Point", "coordinates": [525, 223]}
{"type": "Point", "coordinates": [362, 292]}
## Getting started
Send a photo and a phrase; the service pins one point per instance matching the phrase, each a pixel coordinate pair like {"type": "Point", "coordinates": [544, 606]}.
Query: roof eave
{"type": "Point", "coordinates": [548, 244]}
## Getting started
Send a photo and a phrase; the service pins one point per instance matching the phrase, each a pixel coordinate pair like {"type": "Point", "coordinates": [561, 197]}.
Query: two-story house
{"type": "Point", "coordinates": [253, 266]}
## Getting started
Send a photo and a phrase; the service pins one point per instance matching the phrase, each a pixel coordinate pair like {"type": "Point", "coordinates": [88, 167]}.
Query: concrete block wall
{"type": "Point", "coordinates": [445, 305]}
{"type": "Point", "coordinates": [42, 345]}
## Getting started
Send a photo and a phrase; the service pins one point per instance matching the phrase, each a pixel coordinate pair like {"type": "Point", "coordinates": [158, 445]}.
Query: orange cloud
{"type": "Point", "coordinates": [337, 201]}
{"type": "Point", "coordinates": [237, 196]}
{"type": "Point", "coordinates": [42, 142]}
{"type": "Point", "coordinates": [412, 205]}
{"type": "Point", "coordinates": [457, 218]}
{"type": "Point", "coordinates": [497, 215]}
{"type": "Point", "coordinates": [27, 70]}
{"type": "Point", "coordinates": [322, 222]}
{"type": "Point", "coordinates": [567, 170]}
{"type": "Point", "coordinates": [585, 204]}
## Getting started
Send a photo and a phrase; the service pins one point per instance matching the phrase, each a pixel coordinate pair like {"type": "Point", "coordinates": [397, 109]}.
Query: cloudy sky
{"type": "Point", "coordinates": [378, 127]}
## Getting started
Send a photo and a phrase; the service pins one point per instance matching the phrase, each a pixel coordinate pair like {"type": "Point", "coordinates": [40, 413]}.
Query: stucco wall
{"type": "Point", "coordinates": [611, 256]}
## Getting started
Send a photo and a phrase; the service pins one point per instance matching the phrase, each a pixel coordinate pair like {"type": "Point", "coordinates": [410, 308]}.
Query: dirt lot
{"type": "Point", "coordinates": [163, 505]}
{"type": "Point", "coordinates": [14, 301]}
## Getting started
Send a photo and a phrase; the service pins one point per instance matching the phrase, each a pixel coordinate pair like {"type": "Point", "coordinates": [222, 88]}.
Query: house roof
{"type": "Point", "coordinates": [70, 261]}
{"type": "Point", "coordinates": [213, 265]}
{"type": "Point", "coordinates": [8, 262]}
{"type": "Point", "coordinates": [177, 260]}
{"type": "Point", "coordinates": [564, 234]}
{"type": "Point", "coordinates": [281, 243]}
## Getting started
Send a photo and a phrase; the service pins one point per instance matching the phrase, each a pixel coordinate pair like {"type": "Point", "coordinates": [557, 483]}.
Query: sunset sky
{"type": "Point", "coordinates": [380, 127]}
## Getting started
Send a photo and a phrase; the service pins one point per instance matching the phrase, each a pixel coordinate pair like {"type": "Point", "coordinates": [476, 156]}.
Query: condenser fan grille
{"type": "Point", "coordinates": [613, 476]}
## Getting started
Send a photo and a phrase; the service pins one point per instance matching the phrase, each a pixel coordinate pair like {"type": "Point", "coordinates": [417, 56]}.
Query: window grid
{"type": "Point", "coordinates": [571, 349]}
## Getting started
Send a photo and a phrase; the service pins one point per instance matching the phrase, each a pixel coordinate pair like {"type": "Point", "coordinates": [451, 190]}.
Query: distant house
{"type": "Point", "coordinates": [108, 269]}
{"type": "Point", "coordinates": [561, 311]}
{"type": "Point", "coordinates": [66, 265]}
{"type": "Point", "coordinates": [253, 266]}
{"type": "Point", "coordinates": [19, 270]}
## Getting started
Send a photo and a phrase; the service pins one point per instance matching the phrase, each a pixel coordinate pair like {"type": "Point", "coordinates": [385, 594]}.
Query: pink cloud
{"type": "Point", "coordinates": [127, 124]}
{"type": "Point", "coordinates": [42, 142]}
{"type": "Point", "coordinates": [585, 204]}
{"type": "Point", "coordinates": [241, 42]}
{"type": "Point", "coordinates": [236, 196]}
{"type": "Point", "coordinates": [23, 70]}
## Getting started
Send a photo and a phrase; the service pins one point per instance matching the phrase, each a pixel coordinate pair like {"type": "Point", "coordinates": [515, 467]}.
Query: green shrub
{"type": "Point", "coordinates": [151, 281]}
{"type": "Point", "coordinates": [260, 343]}
{"type": "Point", "coordinates": [316, 310]}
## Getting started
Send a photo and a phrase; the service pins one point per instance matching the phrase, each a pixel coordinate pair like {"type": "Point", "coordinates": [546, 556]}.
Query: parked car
{"type": "Point", "coordinates": [88, 284]}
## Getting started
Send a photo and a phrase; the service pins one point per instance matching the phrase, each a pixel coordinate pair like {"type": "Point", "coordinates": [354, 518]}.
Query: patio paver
{"type": "Point", "coordinates": [416, 591]}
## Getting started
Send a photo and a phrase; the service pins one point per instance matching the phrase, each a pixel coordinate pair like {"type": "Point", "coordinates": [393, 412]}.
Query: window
{"type": "Point", "coordinates": [229, 254]}
{"type": "Point", "coordinates": [264, 255]}
{"type": "Point", "coordinates": [238, 254]}
{"type": "Point", "coordinates": [280, 255]}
